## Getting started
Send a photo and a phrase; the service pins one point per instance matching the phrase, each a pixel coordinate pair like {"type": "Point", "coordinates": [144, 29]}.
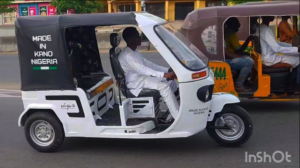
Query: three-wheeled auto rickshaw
{"type": "Point", "coordinates": [205, 29]}
{"type": "Point", "coordinates": [66, 92]}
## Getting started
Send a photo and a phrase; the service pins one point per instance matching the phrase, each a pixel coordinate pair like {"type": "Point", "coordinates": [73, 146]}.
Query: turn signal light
{"type": "Point", "coordinates": [199, 75]}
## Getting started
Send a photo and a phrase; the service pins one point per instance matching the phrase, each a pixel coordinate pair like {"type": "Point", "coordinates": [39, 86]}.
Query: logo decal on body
{"type": "Point", "coordinates": [219, 72]}
{"type": "Point", "coordinates": [67, 106]}
{"type": "Point", "coordinates": [198, 111]}
{"type": "Point", "coordinates": [80, 114]}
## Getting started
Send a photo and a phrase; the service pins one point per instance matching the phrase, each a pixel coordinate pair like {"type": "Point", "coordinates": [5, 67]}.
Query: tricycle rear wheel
{"type": "Point", "coordinates": [44, 132]}
{"type": "Point", "coordinates": [239, 126]}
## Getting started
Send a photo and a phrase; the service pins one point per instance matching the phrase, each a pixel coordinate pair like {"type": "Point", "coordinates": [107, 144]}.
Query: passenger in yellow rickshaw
{"type": "Point", "coordinates": [234, 53]}
{"type": "Point", "coordinates": [286, 32]}
{"type": "Point", "coordinates": [270, 49]}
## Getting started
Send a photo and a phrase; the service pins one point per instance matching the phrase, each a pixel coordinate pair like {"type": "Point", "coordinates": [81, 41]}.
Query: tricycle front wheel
{"type": "Point", "coordinates": [231, 127]}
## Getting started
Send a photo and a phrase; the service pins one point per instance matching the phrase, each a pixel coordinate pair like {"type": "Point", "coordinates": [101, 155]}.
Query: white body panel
{"type": "Point", "coordinates": [193, 113]}
{"type": "Point", "coordinates": [186, 124]}
{"type": "Point", "coordinates": [78, 126]}
{"type": "Point", "coordinates": [218, 101]}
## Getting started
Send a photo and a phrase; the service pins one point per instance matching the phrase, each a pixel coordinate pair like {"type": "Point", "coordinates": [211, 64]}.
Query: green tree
{"type": "Point", "coordinates": [80, 6]}
{"type": "Point", "coordinates": [4, 6]}
{"type": "Point", "coordinates": [241, 1]}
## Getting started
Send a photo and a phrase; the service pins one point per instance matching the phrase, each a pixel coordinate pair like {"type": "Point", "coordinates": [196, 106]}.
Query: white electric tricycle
{"type": "Point", "coordinates": [66, 92]}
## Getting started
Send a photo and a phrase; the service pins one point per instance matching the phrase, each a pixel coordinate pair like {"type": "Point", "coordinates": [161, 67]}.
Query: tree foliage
{"type": "Point", "coordinates": [5, 6]}
{"type": "Point", "coordinates": [241, 1]}
{"type": "Point", "coordinates": [79, 6]}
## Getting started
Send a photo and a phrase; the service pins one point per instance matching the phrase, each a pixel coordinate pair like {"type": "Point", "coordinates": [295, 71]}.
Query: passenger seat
{"type": "Point", "coordinates": [280, 67]}
{"type": "Point", "coordinates": [280, 73]}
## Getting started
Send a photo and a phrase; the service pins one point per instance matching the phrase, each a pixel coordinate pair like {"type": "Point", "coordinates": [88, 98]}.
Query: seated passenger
{"type": "Point", "coordinates": [235, 57]}
{"type": "Point", "coordinates": [286, 33]}
{"type": "Point", "coordinates": [271, 48]}
{"type": "Point", "coordinates": [141, 73]}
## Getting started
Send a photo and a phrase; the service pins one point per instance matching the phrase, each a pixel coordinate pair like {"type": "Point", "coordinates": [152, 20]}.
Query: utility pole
{"type": "Point", "coordinates": [144, 5]}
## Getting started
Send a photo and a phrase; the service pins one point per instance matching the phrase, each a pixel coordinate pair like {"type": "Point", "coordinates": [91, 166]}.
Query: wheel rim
{"type": "Point", "coordinates": [42, 133]}
{"type": "Point", "coordinates": [235, 122]}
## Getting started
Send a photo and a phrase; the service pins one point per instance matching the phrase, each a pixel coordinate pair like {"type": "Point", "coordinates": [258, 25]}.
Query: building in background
{"type": "Point", "coordinates": [9, 18]}
{"type": "Point", "coordinates": [171, 10]}
{"type": "Point", "coordinates": [27, 8]}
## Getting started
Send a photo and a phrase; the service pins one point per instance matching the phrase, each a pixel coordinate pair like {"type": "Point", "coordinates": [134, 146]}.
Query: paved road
{"type": "Point", "coordinates": [276, 127]}
{"type": "Point", "coordinates": [9, 72]}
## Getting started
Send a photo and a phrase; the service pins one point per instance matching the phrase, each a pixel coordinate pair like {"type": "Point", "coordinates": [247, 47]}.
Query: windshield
{"type": "Point", "coordinates": [185, 51]}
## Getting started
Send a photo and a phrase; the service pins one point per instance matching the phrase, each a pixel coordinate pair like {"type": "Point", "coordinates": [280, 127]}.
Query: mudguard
{"type": "Point", "coordinates": [33, 106]}
{"type": "Point", "coordinates": [218, 101]}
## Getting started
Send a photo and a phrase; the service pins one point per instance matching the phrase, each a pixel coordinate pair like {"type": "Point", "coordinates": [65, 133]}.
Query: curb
{"type": "Point", "coordinates": [8, 53]}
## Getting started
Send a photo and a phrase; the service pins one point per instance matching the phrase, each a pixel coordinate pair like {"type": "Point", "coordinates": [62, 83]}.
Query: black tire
{"type": "Point", "coordinates": [58, 130]}
{"type": "Point", "coordinates": [238, 112]}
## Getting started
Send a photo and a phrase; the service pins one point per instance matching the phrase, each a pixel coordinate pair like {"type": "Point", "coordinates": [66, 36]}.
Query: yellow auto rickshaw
{"type": "Point", "coordinates": [204, 28]}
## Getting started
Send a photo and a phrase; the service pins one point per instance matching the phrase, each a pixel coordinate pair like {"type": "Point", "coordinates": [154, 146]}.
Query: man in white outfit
{"type": "Point", "coordinates": [271, 48]}
{"type": "Point", "coordinates": [141, 73]}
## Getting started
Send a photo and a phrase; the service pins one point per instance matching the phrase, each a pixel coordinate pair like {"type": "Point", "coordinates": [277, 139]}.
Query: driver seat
{"type": "Point", "coordinates": [120, 74]}
{"type": "Point", "coordinates": [75, 59]}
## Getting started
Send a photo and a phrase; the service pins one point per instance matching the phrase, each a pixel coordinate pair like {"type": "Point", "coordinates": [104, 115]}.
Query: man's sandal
{"type": "Point", "coordinates": [242, 88]}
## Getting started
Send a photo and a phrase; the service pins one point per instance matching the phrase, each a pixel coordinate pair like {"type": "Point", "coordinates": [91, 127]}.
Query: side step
{"type": "Point", "coordinates": [137, 121]}
{"type": "Point", "coordinates": [158, 129]}
{"type": "Point", "coordinates": [108, 122]}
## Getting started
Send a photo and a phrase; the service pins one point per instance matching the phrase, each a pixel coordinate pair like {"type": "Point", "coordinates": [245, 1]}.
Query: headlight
{"type": "Point", "coordinates": [204, 93]}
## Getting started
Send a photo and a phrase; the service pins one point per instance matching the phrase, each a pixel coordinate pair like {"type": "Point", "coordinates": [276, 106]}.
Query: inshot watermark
{"type": "Point", "coordinates": [263, 157]}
